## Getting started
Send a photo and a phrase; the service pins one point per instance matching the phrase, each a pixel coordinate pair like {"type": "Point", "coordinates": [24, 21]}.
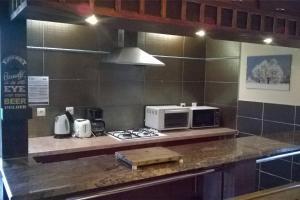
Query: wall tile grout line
{"type": "Point", "coordinates": [246, 117]}
{"type": "Point", "coordinates": [236, 117]}
{"type": "Point", "coordinates": [250, 134]}
{"type": "Point", "coordinates": [43, 27]}
{"type": "Point", "coordinates": [275, 175]}
{"type": "Point", "coordinates": [222, 82]}
{"type": "Point", "coordinates": [224, 105]}
{"type": "Point", "coordinates": [182, 69]}
{"type": "Point", "coordinates": [266, 120]}
{"type": "Point", "coordinates": [44, 48]}
{"type": "Point", "coordinates": [259, 175]}
{"type": "Point", "coordinates": [144, 73]}
{"type": "Point", "coordinates": [238, 93]}
{"type": "Point", "coordinates": [262, 119]}
{"type": "Point", "coordinates": [295, 118]}
{"type": "Point", "coordinates": [205, 71]}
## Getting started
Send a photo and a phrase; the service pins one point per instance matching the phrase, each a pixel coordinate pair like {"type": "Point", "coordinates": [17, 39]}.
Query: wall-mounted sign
{"type": "Point", "coordinates": [38, 90]}
{"type": "Point", "coordinates": [14, 83]}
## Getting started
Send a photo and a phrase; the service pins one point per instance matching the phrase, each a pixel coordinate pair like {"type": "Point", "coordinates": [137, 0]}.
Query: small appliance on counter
{"type": "Point", "coordinates": [204, 117]}
{"type": "Point", "coordinates": [82, 128]}
{"type": "Point", "coordinates": [63, 125]}
{"type": "Point", "coordinates": [167, 117]}
{"type": "Point", "coordinates": [95, 115]}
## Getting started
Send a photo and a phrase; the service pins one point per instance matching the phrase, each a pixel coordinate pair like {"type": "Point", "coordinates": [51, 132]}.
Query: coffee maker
{"type": "Point", "coordinates": [95, 115]}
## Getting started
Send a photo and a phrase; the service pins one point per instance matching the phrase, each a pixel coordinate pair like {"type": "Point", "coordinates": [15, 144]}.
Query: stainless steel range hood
{"type": "Point", "coordinates": [130, 55]}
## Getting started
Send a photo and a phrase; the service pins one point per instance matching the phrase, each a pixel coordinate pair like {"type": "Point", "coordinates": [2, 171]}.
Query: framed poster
{"type": "Point", "coordinates": [14, 83]}
{"type": "Point", "coordinates": [269, 72]}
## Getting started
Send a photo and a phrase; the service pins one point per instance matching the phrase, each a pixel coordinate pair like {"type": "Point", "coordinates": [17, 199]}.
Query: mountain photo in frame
{"type": "Point", "coordinates": [269, 72]}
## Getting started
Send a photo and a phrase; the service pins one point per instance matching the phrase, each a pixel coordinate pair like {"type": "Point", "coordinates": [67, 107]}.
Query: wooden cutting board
{"type": "Point", "coordinates": [147, 156]}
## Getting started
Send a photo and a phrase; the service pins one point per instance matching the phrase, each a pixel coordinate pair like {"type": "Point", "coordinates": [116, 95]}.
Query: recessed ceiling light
{"type": "Point", "coordinates": [92, 20]}
{"type": "Point", "coordinates": [268, 40]}
{"type": "Point", "coordinates": [280, 9]}
{"type": "Point", "coordinates": [201, 33]}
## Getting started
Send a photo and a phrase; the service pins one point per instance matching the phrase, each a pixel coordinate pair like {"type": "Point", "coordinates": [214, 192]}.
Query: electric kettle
{"type": "Point", "coordinates": [63, 125]}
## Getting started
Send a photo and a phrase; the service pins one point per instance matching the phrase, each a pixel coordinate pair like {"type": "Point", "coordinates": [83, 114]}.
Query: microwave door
{"type": "Point", "coordinates": [203, 118]}
{"type": "Point", "coordinates": [176, 119]}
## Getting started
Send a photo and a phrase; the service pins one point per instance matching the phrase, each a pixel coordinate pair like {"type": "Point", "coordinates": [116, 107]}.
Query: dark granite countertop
{"type": "Point", "coordinates": [26, 179]}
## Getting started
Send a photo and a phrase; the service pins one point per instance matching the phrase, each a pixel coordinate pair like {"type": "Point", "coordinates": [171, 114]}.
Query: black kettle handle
{"type": "Point", "coordinates": [69, 116]}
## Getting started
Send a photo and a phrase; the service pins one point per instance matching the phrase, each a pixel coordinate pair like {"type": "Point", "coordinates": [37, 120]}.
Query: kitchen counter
{"type": "Point", "coordinates": [40, 146]}
{"type": "Point", "coordinates": [286, 192]}
{"type": "Point", "coordinates": [26, 179]}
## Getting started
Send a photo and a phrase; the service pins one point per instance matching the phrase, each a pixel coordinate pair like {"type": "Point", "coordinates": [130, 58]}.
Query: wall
{"type": "Point", "coordinates": [273, 114]}
{"type": "Point", "coordinates": [275, 121]}
{"type": "Point", "coordinates": [81, 80]}
{"type": "Point", "coordinates": [291, 97]}
{"type": "Point", "coordinates": [222, 78]}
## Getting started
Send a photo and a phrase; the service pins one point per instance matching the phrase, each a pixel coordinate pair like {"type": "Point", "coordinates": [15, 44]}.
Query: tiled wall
{"type": "Point", "coordinates": [275, 121]}
{"type": "Point", "coordinates": [222, 77]}
{"type": "Point", "coordinates": [81, 80]}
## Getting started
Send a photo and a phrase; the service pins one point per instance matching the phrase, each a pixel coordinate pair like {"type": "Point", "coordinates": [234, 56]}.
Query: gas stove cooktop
{"type": "Point", "coordinates": [135, 134]}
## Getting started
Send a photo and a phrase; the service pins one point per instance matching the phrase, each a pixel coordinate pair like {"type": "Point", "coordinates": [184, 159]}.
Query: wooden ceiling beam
{"type": "Point", "coordinates": [163, 12]}
{"type": "Point", "coordinates": [220, 16]}
{"type": "Point", "coordinates": [183, 10]}
{"type": "Point", "coordinates": [142, 7]}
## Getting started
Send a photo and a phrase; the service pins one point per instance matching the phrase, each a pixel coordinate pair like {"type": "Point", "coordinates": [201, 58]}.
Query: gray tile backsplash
{"type": "Point", "coordinates": [249, 125]}
{"type": "Point", "coordinates": [115, 73]}
{"type": "Point", "coordinates": [193, 70]}
{"type": "Point", "coordinates": [114, 93]}
{"type": "Point", "coordinates": [35, 61]}
{"type": "Point", "coordinates": [250, 109]}
{"type": "Point", "coordinates": [192, 92]}
{"type": "Point", "coordinates": [161, 44]}
{"type": "Point", "coordinates": [221, 93]}
{"type": "Point", "coordinates": [222, 48]}
{"type": "Point", "coordinates": [171, 72]}
{"type": "Point", "coordinates": [222, 77]}
{"type": "Point", "coordinates": [59, 65]}
{"type": "Point", "coordinates": [225, 70]}
{"type": "Point", "coordinates": [81, 80]}
{"type": "Point", "coordinates": [160, 92]}
{"type": "Point", "coordinates": [194, 47]}
{"type": "Point", "coordinates": [73, 92]}
{"type": "Point", "coordinates": [279, 113]}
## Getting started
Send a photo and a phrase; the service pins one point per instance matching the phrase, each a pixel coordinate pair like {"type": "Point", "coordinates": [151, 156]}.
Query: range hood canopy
{"type": "Point", "coordinates": [130, 55]}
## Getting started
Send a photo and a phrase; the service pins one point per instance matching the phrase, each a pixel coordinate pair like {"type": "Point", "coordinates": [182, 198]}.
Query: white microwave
{"type": "Point", "coordinates": [167, 117]}
{"type": "Point", "coordinates": [204, 117]}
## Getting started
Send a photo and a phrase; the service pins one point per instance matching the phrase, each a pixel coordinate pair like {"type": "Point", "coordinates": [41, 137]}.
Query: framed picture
{"type": "Point", "coordinates": [269, 72]}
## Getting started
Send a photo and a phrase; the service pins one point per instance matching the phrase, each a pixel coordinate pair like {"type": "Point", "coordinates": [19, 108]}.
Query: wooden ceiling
{"type": "Point", "coordinates": [242, 19]}
{"type": "Point", "coordinates": [289, 7]}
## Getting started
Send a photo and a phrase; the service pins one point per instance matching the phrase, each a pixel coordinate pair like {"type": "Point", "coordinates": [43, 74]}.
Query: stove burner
{"type": "Point", "coordinates": [125, 135]}
{"type": "Point", "coordinates": [135, 133]}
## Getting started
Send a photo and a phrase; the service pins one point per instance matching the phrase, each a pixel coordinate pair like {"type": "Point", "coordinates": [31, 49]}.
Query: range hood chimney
{"type": "Point", "coordinates": [130, 55]}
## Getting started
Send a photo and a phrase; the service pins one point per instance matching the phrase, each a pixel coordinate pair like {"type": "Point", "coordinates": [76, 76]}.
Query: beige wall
{"type": "Point", "coordinates": [291, 97]}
